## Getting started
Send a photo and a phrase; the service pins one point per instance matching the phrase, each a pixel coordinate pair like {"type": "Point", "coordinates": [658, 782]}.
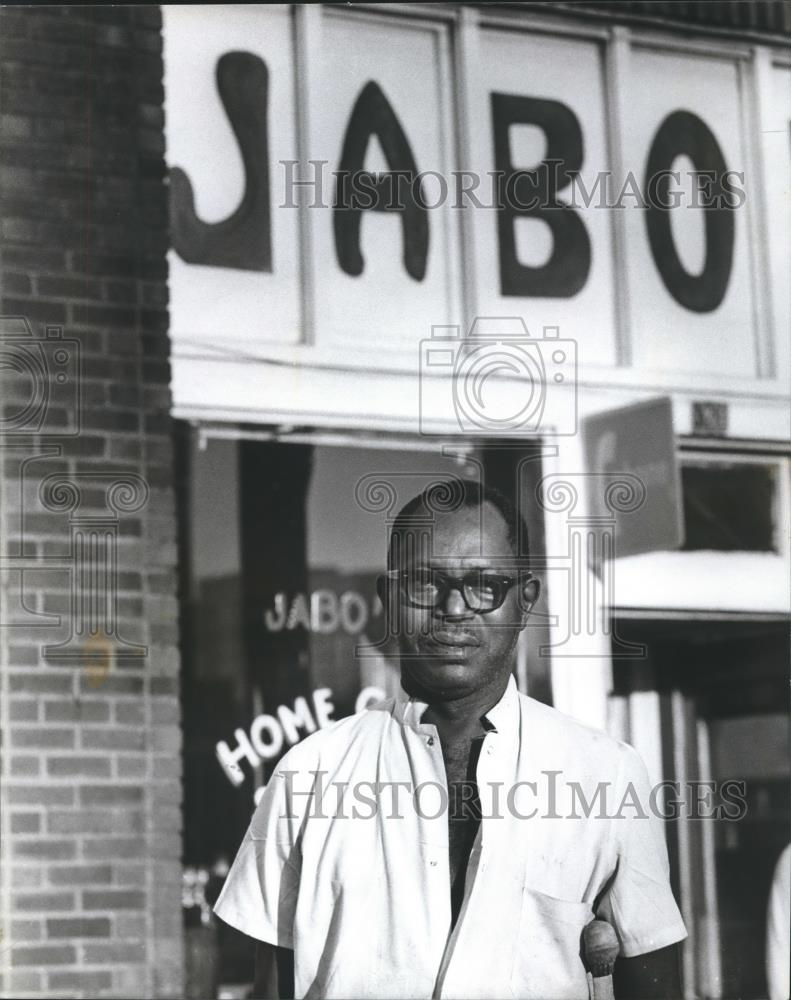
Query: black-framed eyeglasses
{"type": "Point", "coordinates": [482, 590]}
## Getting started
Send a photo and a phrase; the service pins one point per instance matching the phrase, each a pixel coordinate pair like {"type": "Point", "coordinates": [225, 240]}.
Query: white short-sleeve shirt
{"type": "Point", "coordinates": [778, 930]}
{"type": "Point", "coordinates": [346, 858]}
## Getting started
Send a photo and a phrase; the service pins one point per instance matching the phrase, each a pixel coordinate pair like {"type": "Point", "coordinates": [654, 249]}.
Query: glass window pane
{"type": "Point", "coordinates": [729, 507]}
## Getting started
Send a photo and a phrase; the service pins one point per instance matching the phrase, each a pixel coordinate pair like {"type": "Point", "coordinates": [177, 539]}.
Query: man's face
{"type": "Point", "coordinates": [450, 651]}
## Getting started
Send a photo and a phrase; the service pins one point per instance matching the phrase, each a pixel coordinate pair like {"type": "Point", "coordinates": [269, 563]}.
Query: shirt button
{"type": "Point", "coordinates": [490, 749]}
{"type": "Point", "coordinates": [431, 741]}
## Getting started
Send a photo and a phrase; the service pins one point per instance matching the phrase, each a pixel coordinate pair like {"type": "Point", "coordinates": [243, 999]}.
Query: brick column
{"type": "Point", "coordinates": [90, 717]}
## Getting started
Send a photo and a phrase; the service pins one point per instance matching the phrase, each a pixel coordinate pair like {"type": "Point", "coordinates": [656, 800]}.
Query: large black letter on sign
{"type": "Point", "coordinates": [684, 134]}
{"type": "Point", "coordinates": [533, 194]}
{"type": "Point", "coordinates": [243, 240]}
{"type": "Point", "coordinates": [372, 115]}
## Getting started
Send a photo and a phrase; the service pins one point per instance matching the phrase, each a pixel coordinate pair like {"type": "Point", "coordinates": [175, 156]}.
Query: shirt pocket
{"type": "Point", "coordinates": [547, 962]}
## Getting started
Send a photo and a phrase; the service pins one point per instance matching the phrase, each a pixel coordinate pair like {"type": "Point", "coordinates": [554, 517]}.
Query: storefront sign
{"type": "Point", "coordinates": [323, 612]}
{"type": "Point", "coordinates": [369, 152]}
{"type": "Point", "coordinates": [269, 732]}
{"type": "Point", "coordinates": [269, 735]}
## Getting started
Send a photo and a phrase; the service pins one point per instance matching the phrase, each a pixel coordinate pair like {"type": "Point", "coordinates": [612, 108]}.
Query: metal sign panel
{"type": "Point", "coordinates": [631, 461]}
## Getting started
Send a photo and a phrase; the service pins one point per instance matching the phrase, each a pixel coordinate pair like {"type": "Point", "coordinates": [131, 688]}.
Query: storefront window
{"type": "Point", "coordinates": [730, 506]}
{"type": "Point", "coordinates": [283, 631]}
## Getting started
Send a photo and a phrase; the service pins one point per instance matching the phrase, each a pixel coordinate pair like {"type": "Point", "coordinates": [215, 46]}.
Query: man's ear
{"type": "Point", "coordinates": [530, 593]}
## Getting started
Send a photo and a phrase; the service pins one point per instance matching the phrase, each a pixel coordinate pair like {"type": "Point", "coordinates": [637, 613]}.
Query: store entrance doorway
{"type": "Point", "coordinates": [715, 693]}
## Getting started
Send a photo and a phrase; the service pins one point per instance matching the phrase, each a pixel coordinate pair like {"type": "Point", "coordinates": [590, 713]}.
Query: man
{"type": "Point", "coordinates": [450, 842]}
{"type": "Point", "coordinates": [778, 930]}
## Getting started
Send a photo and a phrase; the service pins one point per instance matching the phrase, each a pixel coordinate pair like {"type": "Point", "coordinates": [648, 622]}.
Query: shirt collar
{"type": "Point", "coordinates": [502, 716]}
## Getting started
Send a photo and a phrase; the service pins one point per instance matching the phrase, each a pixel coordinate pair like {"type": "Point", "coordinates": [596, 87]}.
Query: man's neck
{"type": "Point", "coordinates": [462, 718]}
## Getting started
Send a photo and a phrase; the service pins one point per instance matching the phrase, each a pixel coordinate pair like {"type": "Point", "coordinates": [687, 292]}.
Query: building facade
{"type": "Point", "coordinates": [267, 272]}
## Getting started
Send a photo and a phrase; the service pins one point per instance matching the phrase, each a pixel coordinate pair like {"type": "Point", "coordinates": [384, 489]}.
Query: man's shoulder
{"type": "Point", "coordinates": [576, 737]}
{"type": "Point", "coordinates": [339, 737]}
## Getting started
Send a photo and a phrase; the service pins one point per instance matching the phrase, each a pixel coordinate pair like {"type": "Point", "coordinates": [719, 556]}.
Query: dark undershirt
{"type": "Point", "coordinates": [464, 819]}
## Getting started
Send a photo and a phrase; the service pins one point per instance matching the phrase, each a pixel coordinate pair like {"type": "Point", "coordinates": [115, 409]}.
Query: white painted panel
{"type": "Point", "coordinates": [238, 310]}
{"type": "Point", "coordinates": [384, 311]}
{"type": "Point", "coordinates": [713, 581]}
{"type": "Point", "coordinates": [569, 72]}
{"type": "Point", "coordinates": [777, 157]}
{"type": "Point", "coordinates": [667, 335]}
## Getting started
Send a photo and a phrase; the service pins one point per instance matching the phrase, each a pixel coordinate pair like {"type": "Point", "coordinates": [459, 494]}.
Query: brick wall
{"type": "Point", "coordinates": [90, 719]}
